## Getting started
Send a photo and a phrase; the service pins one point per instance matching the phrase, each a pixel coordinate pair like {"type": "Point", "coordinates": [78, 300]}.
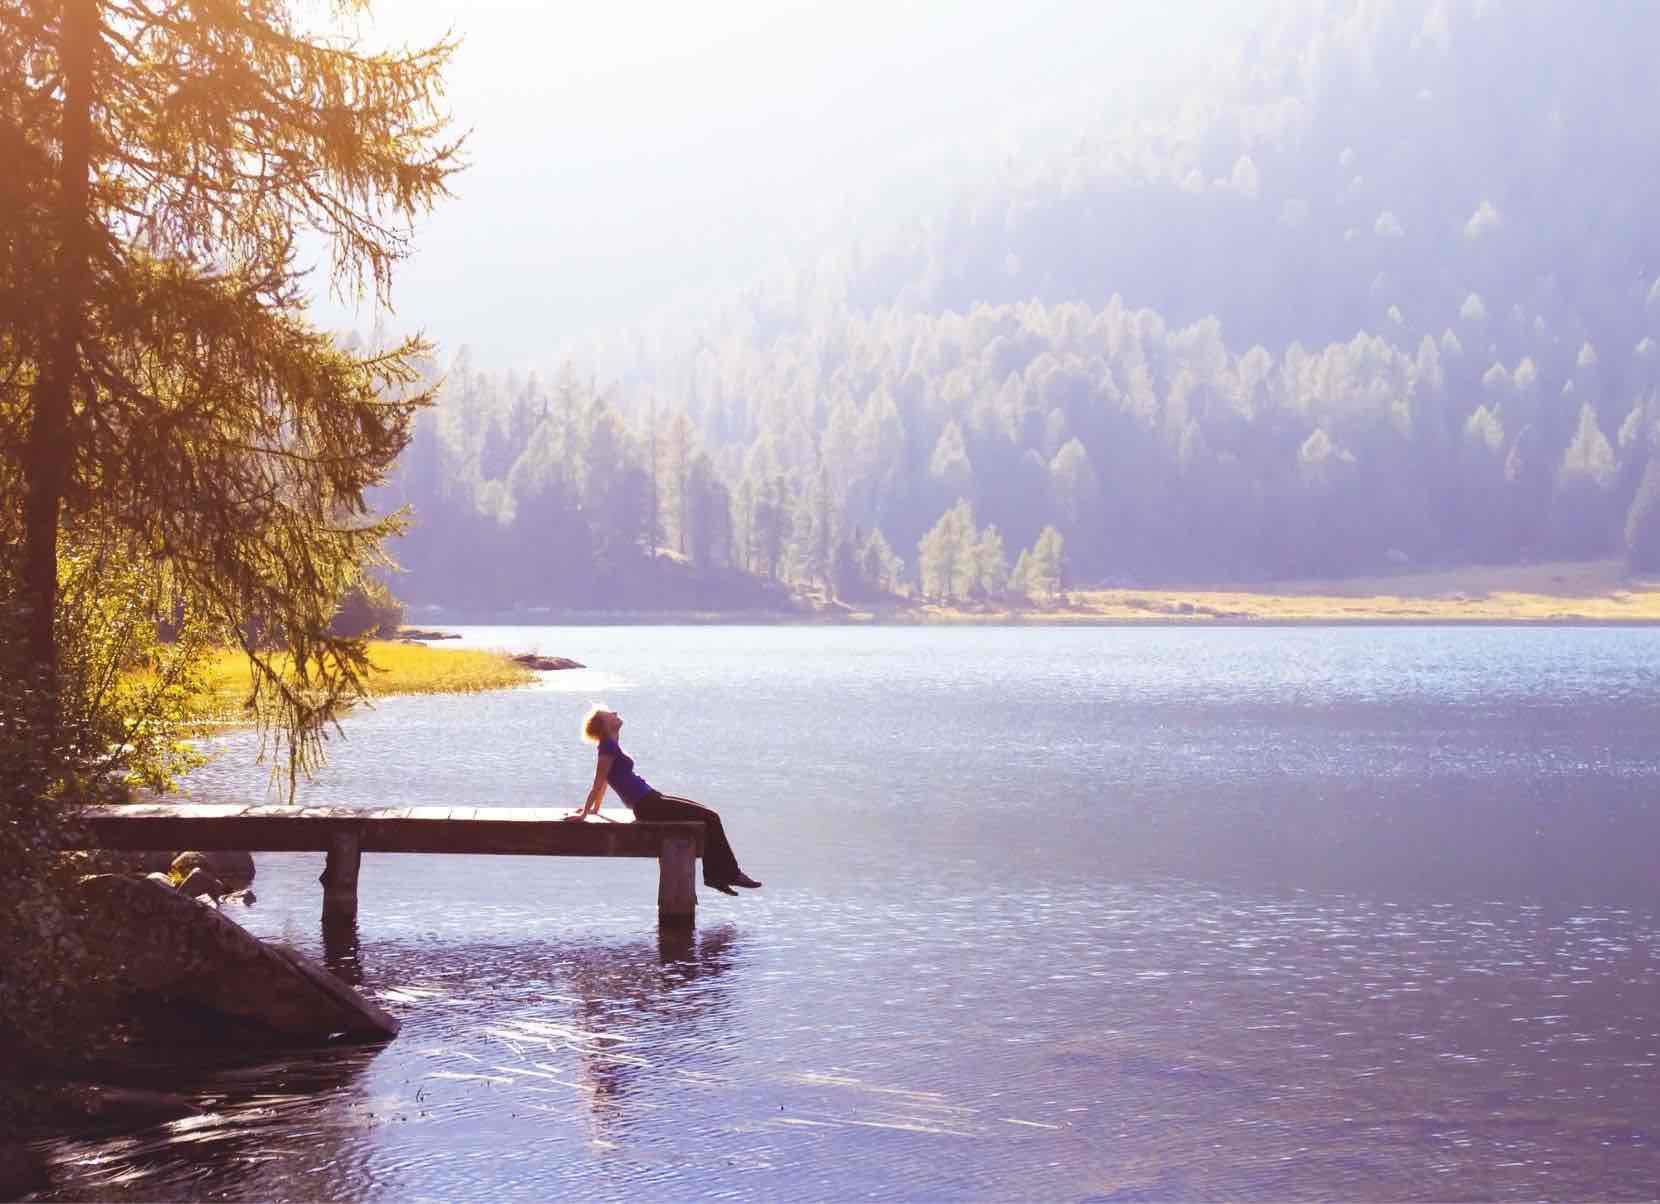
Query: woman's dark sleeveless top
{"type": "Point", "coordinates": [630, 786]}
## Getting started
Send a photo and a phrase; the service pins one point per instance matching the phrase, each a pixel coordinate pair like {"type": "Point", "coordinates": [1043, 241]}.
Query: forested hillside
{"type": "Point", "coordinates": [1383, 288]}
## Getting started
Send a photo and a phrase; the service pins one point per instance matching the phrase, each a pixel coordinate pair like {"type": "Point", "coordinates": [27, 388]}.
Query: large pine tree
{"type": "Point", "coordinates": [164, 395]}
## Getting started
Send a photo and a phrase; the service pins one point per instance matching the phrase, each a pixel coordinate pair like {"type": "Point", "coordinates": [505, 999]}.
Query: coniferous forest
{"type": "Point", "coordinates": [1381, 289]}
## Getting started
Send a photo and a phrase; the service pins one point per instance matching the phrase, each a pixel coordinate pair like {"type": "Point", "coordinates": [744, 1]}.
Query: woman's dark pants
{"type": "Point", "coordinates": [719, 865]}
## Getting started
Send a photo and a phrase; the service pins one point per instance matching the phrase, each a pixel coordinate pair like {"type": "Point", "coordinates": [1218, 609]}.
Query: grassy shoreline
{"type": "Point", "coordinates": [1596, 593]}
{"type": "Point", "coordinates": [399, 668]}
{"type": "Point", "coordinates": [1589, 593]}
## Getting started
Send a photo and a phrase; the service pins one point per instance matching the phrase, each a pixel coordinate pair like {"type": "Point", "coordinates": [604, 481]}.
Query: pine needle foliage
{"type": "Point", "coordinates": [160, 385]}
{"type": "Point", "coordinates": [181, 453]}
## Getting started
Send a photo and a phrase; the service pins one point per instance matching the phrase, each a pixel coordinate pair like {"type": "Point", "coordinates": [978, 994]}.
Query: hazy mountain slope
{"type": "Point", "coordinates": [1385, 288]}
{"type": "Point", "coordinates": [1355, 157]}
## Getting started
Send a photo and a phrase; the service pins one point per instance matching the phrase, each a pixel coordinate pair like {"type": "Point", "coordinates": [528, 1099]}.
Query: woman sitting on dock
{"type": "Point", "coordinates": [616, 769]}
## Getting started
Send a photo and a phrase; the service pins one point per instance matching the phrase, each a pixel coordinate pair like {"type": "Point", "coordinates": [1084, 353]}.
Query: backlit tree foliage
{"type": "Point", "coordinates": [180, 453]}
{"type": "Point", "coordinates": [163, 395]}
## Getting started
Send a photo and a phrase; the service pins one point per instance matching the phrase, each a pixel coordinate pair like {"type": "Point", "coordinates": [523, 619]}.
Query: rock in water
{"type": "Point", "coordinates": [201, 882]}
{"type": "Point", "coordinates": [161, 942]}
{"type": "Point", "coordinates": [184, 863]}
{"type": "Point", "coordinates": [234, 869]}
{"type": "Point", "coordinates": [543, 664]}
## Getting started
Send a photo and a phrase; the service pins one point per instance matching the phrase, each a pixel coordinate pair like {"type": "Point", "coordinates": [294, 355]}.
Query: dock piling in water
{"type": "Point", "coordinates": [339, 877]}
{"type": "Point", "coordinates": [677, 881]}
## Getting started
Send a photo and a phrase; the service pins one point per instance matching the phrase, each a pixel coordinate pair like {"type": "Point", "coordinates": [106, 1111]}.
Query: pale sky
{"type": "Point", "coordinates": [628, 152]}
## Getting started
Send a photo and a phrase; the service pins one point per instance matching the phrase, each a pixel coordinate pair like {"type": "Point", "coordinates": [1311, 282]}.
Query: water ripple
{"type": "Point", "coordinates": [1064, 915]}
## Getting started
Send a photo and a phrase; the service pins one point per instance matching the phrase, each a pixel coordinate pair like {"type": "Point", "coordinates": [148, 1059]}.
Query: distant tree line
{"type": "Point", "coordinates": [1149, 454]}
{"type": "Point", "coordinates": [1415, 170]}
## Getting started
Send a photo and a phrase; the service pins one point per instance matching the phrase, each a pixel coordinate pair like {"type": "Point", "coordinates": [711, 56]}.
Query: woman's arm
{"type": "Point", "coordinates": [596, 792]}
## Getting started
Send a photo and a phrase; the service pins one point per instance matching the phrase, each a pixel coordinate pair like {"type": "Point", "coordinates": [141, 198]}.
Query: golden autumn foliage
{"type": "Point", "coordinates": [180, 451]}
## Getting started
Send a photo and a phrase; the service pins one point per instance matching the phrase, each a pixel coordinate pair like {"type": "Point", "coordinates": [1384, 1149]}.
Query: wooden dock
{"type": "Point", "coordinates": [346, 833]}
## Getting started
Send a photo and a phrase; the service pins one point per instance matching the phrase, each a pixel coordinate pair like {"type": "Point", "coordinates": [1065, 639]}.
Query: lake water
{"type": "Point", "coordinates": [1083, 914]}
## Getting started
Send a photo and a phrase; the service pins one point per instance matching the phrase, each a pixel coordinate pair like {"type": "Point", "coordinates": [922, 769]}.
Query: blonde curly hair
{"type": "Point", "coordinates": [592, 731]}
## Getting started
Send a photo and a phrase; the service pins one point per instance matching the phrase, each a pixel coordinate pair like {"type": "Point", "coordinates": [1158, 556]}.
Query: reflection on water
{"type": "Point", "coordinates": [568, 1051]}
{"type": "Point", "coordinates": [1060, 915]}
{"type": "Point", "coordinates": [342, 951]}
{"type": "Point", "coordinates": [256, 1119]}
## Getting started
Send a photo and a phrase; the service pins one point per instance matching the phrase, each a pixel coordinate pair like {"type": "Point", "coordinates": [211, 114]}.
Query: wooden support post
{"type": "Point", "coordinates": [339, 877]}
{"type": "Point", "coordinates": [677, 881]}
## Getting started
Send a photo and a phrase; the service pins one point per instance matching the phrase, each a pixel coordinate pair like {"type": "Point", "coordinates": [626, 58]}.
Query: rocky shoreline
{"type": "Point", "coordinates": [530, 660]}
{"type": "Point", "coordinates": [174, 971]}
{"type": "Point", "coordinates": [162, 943]}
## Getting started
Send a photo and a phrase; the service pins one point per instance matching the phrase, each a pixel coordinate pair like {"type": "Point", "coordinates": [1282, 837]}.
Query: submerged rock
{"type": "Point", "coordinates": [101, 1106]}
{"type": "Point", "coordinates": [22, 1169]}
{"type": "Point", "coordinates": [159, 942]}
{"type": "Point", "coordinates": [531, 660]}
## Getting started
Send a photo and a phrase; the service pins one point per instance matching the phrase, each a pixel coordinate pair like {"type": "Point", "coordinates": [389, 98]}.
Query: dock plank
{"type": "Point", "coordinates": [522, 831]}
{"type": "Point", "coordinates": [345, 833]}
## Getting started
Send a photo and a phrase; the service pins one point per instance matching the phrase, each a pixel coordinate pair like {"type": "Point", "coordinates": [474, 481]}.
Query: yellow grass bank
{"type": "Point", "coordinates": [399, 668]}
{"type": "Point", "coordinates": [1575, 592]}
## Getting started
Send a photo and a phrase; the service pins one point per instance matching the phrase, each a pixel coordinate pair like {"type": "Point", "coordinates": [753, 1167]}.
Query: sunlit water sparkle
{"type": "Point", "coordinates": [1061, 914]}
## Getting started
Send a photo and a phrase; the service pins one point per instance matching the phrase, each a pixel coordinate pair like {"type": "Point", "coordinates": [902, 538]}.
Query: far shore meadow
{"type": "Point", "coordinates": [1545, 593]}
{"type": "Point", "coordinates": [1560, 593]}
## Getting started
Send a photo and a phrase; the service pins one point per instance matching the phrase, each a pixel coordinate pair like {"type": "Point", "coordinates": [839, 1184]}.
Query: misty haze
{"type": "Point", "coordinates": [1372, 289]}
{"type": "Point", "coordinates": [1143, 520]}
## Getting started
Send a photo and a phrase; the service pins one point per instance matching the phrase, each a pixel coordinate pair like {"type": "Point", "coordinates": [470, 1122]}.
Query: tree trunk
{"type": "Point", "coordinates": [51, 450]}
